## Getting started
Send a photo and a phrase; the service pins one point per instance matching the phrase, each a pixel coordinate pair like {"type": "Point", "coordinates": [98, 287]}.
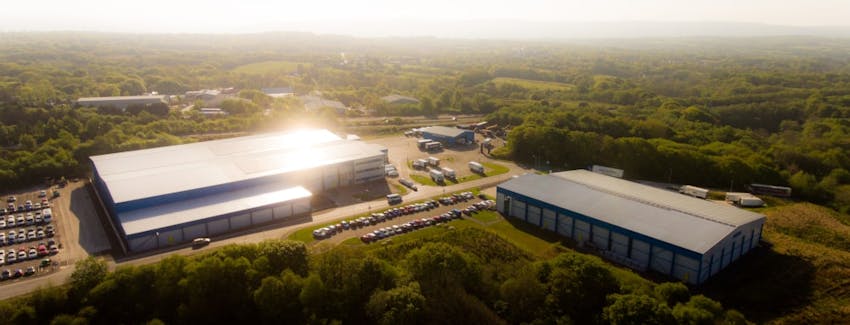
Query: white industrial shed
{"type": "Point", "coordinates": [636, 225]}
{"type": "Point", "coordinates": [170, 195]}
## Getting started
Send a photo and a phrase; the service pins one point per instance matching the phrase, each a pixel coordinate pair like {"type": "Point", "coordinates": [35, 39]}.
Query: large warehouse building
{"type": "Point", "coordinates": [121, 101]}
{"type": "Point", "coordinates": [448, 136]}
{"type": "Point", "coordinates": [633, 224]}
{"type": "Point", "coordinates": [171, 195]}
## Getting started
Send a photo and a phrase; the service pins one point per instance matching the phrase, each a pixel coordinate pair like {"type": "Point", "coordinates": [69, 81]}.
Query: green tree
{"type": "Point", "coordinates": [402, 305]}
{"type": "Point", "coordinates": [636, 309]}
{"type": "Point", "coordinates": [88, 273]}
{"type": "Point", "coordinates": [672, 293]}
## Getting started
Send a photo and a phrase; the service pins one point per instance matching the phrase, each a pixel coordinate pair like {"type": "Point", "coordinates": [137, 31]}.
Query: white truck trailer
{"type": "Point", "coordinates": [437, 176]}
{"type": "Point", "coordinates": [449, 173]}
{"type": "Point", "coordinates": [476, 167]}
{"type": "Point", "coordinates": [694, 191]}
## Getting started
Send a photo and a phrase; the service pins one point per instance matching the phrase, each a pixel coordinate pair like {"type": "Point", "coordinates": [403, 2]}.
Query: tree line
{"type": "Point", "coordinates": [459, 276]}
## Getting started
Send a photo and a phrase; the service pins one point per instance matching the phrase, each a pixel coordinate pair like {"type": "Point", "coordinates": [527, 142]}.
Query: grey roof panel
{"type": "Point", "coordinates": [693, 224]}
{"type": "Point", "coordinates": [152, 172]}
{"type": "Point", "coordinates": [445, 131]}
{"type": "Point", "coordinates": [167, 215]}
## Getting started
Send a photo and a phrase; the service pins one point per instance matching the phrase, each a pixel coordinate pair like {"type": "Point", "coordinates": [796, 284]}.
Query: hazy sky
{"type": "Point", "coordinates": [330, 15]}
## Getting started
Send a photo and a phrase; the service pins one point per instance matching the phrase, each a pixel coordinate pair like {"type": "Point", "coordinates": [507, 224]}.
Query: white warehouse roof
{"type": "Point", "coordinates": [693, 224]}
{"type": "Point", "coordinates": [163, 216]}
{"type": "Point", "coordinates": [146, 173]}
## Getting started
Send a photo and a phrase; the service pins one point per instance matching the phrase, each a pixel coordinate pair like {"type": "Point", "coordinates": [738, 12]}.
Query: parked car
{"type": "Point", "coordinates": [42, 193]}
{"type": "Point", "coordinates": [6, 274]}
{"type": "Point", "coordinates": [11, 257]}
{"type": "Point", "coordinates": [54, 249]}
{"type": "Point", "coordinates": [18, 273]}
{"type": "Point", "coordinates": [199, 242]}
{"type": "Point", "coordinates": [30, 271]}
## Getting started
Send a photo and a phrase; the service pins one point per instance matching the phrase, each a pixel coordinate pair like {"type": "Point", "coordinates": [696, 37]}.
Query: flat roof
{"type": "Point", "coordinates": [691, 223]}
{"type": "Point", "coordinates": [146, 173]}
{"type": "Point", "coordinates": [119, 98]}
{"type": "Point", "coordinates": [163, 216]}
{"type": "Point", "coordinates": [444, 130]}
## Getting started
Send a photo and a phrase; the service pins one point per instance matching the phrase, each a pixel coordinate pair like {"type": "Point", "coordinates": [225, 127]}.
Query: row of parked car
{"type": "Point", "coordinates": [27, 206]}
{"type": "Point", "coordinates": [28, 219]}
{"type": "Point", "coordinates": [9, 274]}
{"type": "Point", "coordinates": [25, 235]}
{"type": "Point", "coordinates": [389, 214]}
{"type": "Point", "coordinates": [410, 226]}
{"type": "Point", "coordinates": [375, 218]}
{"type": "Point", "coordinates": [28, 253]}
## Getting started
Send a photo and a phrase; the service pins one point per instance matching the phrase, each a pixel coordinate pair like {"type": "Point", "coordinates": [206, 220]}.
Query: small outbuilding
{"type": "Point", "coordinates": [448, 135]}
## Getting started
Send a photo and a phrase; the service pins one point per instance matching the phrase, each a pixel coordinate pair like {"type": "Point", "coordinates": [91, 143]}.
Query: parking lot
{"type": "Point", "coordinates": [402, 219]}
{"type": "Point", "coordinates": [46, 231]}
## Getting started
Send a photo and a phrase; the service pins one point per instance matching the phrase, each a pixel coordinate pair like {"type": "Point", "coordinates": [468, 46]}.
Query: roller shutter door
{"type": "Point", "coordinates": [261, 216]}
{"type": "Point", "coordinates": [600, 237]}
{"type": "Point", "coordinates": [346, 175]}
{"type": "Point", "coordinates": [716, 266]}
{"type": "Point", "coordinates": [171, 237]}
{"type": "Point", "coordinates": [619, 244]}
{"type": "Point", "coordinates": [565, 225]}
{"type": "Point", "coordinates": [549, 219]}
{"type": "Point", "coordinates": [500, 202]}
{"type": "Point", "coordinates": [301, 207]}
{"type": "Point", "coordinates": [331, 181]}
{"type": "Point", "coordinates": [640, 252]}
{"type": "Point", "coordinates": [685, 269]}
{"type": "Point", "coordinates": [218, 227]}
{"type": "Point", "coordinates": [240, 221]}
{"type": "Point", "coordinates": [582, 231]}
{"type": "Point", "coordinates": [142, 243]}
{"type": "Point", "coordinates": [745, 244]}
{"type": "Point", "coordinates": [736, 249]}
{"type": "Point", "coordinates": [662, 259]}
{"type": "Point", "coordinates": [195, 231]}
{"type": "Point", "coordinates": [533, 215]}
{"type": "Point", "coordinates": [518, 209]}
{"type": "Point", "coordinates": [283, 211]}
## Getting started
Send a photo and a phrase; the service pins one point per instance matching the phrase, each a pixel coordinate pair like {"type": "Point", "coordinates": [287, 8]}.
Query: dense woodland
{"type": "Point", "coordinates": [710, 112]}
{"type": "Point", "coordinates": [465, 276]}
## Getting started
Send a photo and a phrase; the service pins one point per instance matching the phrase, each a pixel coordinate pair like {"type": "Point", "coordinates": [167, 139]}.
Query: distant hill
{"type": "Point", "coordinates": [511, 29]}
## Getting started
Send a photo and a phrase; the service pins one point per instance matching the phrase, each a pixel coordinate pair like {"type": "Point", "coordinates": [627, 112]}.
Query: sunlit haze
{"type": "Point", "coordinates": [391, 17]}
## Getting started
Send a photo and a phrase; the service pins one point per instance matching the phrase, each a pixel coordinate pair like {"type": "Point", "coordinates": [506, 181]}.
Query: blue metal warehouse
{"type": "Point", "coordinates": [633, 224]}
{"type": "Point", "coordinates": [171, 195]}
{"type": "Point", "coordinates": [447, 135]}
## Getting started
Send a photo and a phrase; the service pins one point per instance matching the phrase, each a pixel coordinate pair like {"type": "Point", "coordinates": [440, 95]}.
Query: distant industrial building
{"type": "Point", "coordinates": [278, 92]}
{"type": "Point", "coordinates": [448, 135]}
{"type": "Point", "coordinates": [399, 100]}
{"type": "Point", "coordinates": [171, 195]}
{"type": "Point", "coordinates": [643, 227]}
{"type": "Point", "coordinates": [121, 102]}
{"type": "Point", "coordinates": [314, 103]}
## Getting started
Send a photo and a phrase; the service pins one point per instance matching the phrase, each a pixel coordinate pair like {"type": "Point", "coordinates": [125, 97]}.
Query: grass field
{"type": "Point", "coordinates": [402, 190]}
{"type": "Point", "coordinates": [534, 84]}
{"type": "Point", "coordinates": [803, 277]}
{"type": "Point", "coordinates": [269, 67]}
{"type": "Point", "coordinates": [424, 180]}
